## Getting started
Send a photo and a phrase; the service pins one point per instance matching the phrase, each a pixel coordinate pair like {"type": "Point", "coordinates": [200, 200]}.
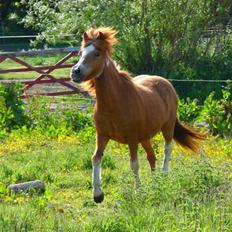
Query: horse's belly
{"type": "Point", "coordinates": [133, 137]}
{"type": "Point", "coordinates": [128, 131]}
{"type": "Point", "coordinates": [115, 130]}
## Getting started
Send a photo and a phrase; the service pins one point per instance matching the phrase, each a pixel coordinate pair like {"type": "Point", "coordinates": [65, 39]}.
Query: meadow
{"type": "Point", "coordinates": [52, 139]}
{"type": "Point", "coordinates": [196, 194]}
{"type": "Point", "coordinates": [56, 145]}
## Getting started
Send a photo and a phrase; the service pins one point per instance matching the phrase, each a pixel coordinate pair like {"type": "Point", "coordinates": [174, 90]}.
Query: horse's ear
{"type": "Point", "coordinates": [100, 36]}
{"type": "Point", "coordinates": [85, 36]}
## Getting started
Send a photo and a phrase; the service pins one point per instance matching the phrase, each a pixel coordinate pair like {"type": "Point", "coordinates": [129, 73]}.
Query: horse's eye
{"type": "Point", "coordinates": [97, 53]}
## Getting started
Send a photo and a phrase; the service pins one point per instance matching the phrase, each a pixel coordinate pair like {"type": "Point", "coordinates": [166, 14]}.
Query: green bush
{"type": "Point", "coordinates": [188, 110]}
{"type": "Point", "coordinates": [57, 118]}
{"type": "Point", "coordinates": [206, 67]}
{"type": "Point", "coordinates": [40, 114]}
{"type": "Point", "coordinates": [12, 110]}
{"type": "Point", "coordinates": [218, 113]}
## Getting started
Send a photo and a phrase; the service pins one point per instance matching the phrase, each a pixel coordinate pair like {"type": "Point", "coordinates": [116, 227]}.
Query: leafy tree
{"type": "Point", "coordinates": [175, 38]}
{"type": "Point", "coordinates": [11, 13]}
{"type": "Point", "coordinates": [155, 35]}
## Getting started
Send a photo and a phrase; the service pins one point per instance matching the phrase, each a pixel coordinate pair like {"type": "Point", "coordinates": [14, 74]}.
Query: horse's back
{"type": "Point", "coordinates": [159, 85]}
{"type": "Point", "coordinates": [152, 82]}
{"type": "Point", "coordinates": [161, 95]}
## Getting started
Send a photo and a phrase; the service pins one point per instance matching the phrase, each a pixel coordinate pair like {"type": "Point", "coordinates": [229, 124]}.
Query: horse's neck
{"type": "Point", "coordinates": [110, 88]}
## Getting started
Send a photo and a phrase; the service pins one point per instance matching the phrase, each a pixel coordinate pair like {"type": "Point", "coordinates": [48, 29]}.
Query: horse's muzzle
{"type": "Point", "coordinates": [76, 75]}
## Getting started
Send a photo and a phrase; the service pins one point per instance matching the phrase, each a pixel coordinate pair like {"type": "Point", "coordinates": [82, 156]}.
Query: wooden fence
{"type": "Point", "coordinates": [45, 75]}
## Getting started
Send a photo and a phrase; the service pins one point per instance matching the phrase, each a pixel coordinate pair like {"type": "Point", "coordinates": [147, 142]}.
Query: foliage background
{"type": "Point", "coordinates": [176, 39]}
{"type": "Point", "coordinates": [180, 39]}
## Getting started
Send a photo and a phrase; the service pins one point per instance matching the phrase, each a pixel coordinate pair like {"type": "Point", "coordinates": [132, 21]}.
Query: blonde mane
{"type": "Point", "coordinates": [89, 86]}
{"type": "Point", "coordinates": [102, 37]}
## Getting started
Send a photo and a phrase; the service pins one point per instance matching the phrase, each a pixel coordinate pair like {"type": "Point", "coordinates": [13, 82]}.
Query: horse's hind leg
{"type": "Point", "coordinates": [134, 164]}
{"type": "Point", "coordinates": [150, 153]}
{"type": "Point", "coordinates": [167, 132]}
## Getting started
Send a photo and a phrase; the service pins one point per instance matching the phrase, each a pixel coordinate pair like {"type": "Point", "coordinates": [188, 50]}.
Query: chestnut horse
{"type": "Point", "coordinates": [129, 111]}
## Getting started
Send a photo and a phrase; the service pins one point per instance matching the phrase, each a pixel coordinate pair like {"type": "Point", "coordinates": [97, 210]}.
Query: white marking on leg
{"type": "Point", "coordinates": [96, 178]}
{"type": "Point", "coordinates": [135, 168]}
{"type": "Point", "coordinates": [167, 155]}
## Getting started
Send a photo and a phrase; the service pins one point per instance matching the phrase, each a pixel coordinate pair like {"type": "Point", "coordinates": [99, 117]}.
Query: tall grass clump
{"type": "Point", "coordinates": [194, 196]}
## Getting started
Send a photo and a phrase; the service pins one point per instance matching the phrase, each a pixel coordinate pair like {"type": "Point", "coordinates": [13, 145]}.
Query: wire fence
{"type": "Point", "coordinates": [200, 80]}
{"type": "Point", "coordinates": [171, 80]}
{"type": "Point", "coordinates": [24, 42]}
{"type": "Point", "coordinates": [29, 36]}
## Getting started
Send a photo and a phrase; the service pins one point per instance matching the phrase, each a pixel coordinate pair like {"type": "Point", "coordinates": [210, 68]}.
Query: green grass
{"type": "Point", "coordinates": [35, 61]}
{"type": "Point", "coordinates": [196, 195]}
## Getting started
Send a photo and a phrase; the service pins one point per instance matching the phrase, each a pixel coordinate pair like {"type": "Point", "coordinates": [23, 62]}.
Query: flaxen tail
{"type": "Point", "coordinates": [187, 137]}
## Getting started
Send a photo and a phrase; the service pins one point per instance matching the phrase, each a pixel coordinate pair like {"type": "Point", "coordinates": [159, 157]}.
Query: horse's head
{"type": "Point", "coordinates": [95, 48]}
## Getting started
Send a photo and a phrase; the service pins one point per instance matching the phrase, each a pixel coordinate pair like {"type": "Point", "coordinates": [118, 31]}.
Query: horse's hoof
{"type": "Point", "coordinates": [99, 198]}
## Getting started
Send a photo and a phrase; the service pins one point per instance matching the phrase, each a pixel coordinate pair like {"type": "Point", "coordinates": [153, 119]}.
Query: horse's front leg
{"type": "Point", "coordinates": [101, 143]}
{"type": "Point", "coordinates": [134, 164]}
